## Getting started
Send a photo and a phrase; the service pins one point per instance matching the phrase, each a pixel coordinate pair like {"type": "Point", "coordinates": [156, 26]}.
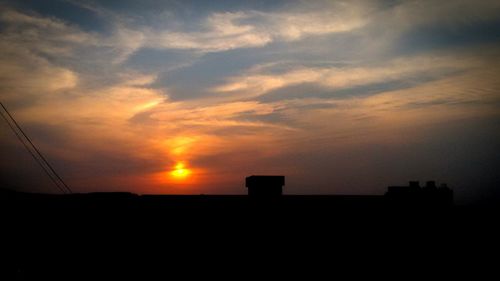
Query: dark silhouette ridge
{"type": "Point", "coordinates": [259, 186]}
{"type": "Point", "coordinates": [124, 233]}
{"type": "Point", "coordinates": [265, 186]}
{"type": "Point", "coordinates": [413, 194]}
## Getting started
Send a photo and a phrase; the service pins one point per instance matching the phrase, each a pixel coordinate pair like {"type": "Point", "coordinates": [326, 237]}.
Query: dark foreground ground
{"type": "Point", "coordinates": [121, 236]}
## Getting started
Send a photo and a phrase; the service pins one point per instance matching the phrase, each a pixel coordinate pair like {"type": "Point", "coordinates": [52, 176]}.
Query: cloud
{"type": "Point", "coordinates": [208, 119]}
{"type": "Point", "coordinates": [48, 36]}
{"type": "Point", "coordinates": [226, 31]}
{"type": "Point", "coordinates": [222, 31]}
{"type": "Point", "coordinates": [455, 12]}
{"type": "Point", "coordinates": [26, 78]}
{"type": "Point", "coordinates": [251, 84]}
{"type": "Point", "coordinates": [341, 94]}
{"type": "Point", "coordinates": [101, 137]}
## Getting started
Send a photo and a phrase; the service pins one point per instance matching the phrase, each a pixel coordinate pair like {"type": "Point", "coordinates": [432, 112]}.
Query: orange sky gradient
{"type": "Point", "coordinates": [341, 98]}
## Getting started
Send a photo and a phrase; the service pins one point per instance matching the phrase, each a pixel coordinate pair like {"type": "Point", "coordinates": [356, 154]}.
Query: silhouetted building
{"type": "Point", "coordinates": [430, 185]}
{"type": "Point", "coordinates": [403, 191]}
{"type": "Point", "coordinates": [429, 195]}
{"type": "Point", "coordinates": [265, 186]}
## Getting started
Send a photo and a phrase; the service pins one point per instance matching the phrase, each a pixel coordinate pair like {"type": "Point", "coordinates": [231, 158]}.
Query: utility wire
{"type": "Point", "coordinates": [38, 161]}
{"type": "Point", "coordinates": [66, 187]}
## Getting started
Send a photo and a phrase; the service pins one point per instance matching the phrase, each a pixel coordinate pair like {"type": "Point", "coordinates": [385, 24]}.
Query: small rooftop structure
{"type": "Point", "coordinates": [265, 186]}
{"type": "Point", "coordinates": [429, 194]}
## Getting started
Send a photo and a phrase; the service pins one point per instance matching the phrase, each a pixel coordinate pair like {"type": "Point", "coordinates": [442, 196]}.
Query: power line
{"type": "Point", "coordinates": [32, 154]}
{"type": "Point", "coordinates": [54, 173]}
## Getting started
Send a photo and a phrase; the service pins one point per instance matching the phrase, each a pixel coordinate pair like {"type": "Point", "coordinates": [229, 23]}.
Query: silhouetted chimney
{"type": "Point", "coordinates": [413, 195]}
{"type": "Point", "coordinates": [443, 186]}
{"type": "Point", "coordinates": [414, 184]}
{"type": "Point", "coordinates": [265, 186]}
{"type": "Point", "coordinates": [430, 185]}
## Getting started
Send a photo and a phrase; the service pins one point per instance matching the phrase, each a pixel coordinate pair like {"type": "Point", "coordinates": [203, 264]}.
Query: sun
{"type": "Point", "coordinates": [180, 171]}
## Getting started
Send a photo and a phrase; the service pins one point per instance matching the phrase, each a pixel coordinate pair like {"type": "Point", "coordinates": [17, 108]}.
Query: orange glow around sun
{"type": "Point", "coordinates": [180, 171]}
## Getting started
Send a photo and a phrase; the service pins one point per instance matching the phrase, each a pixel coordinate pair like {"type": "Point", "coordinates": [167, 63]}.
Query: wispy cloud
{"type": "Point", "coordinates": [232, 30]}
{"type": "Point", "coordinates": [106, 119]}
{"type": "Point", "coordinates": [251, 84]}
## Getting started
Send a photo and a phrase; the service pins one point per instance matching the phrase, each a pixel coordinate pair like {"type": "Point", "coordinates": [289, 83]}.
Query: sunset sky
{"type": "Point", "coordinates": [189, 97]}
